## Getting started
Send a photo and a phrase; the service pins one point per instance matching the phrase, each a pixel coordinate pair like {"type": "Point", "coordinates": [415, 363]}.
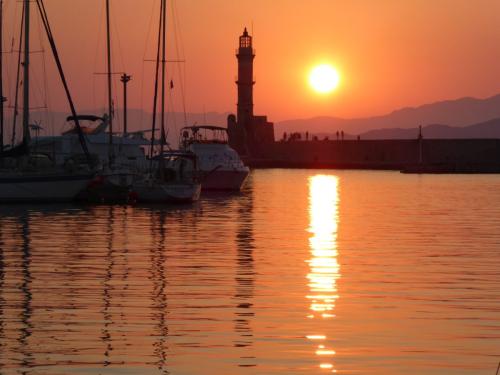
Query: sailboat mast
{"type": "Point", "coordinates": [155, 95]}
{"type": "Point", "coordinates": [18, 80]}
{"type": "Point", "coordinates": [163, 69]}
{"type": "Point", "coordinates": [26, 75]}
{"type": "Point", "coordinates": [1, 76]}
{"type": "Point", "coordinates": [110, 100]}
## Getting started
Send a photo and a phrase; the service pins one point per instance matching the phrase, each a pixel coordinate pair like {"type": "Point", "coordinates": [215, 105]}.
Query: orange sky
{"type": "Point", "coordinates": [390, 53]}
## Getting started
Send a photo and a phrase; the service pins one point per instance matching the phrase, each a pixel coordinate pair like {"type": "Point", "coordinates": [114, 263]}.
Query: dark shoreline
{"type": "Point", "coordinates": [408, 156]}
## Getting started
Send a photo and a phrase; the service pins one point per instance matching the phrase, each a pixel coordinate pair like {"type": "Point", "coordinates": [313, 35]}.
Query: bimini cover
{"type": "Point", "coordinates": [84, 118]}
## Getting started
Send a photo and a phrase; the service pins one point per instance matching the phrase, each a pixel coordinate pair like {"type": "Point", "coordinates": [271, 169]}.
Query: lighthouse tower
{"type": "Point", "coordinates": [245, 80]}
{"type": "Point", "coordinates": [248, 133]}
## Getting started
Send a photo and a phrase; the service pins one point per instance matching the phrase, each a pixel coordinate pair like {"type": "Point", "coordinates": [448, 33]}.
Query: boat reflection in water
{"type": "Point", "coordinates": [245, 282]}
{"type": "Point", "coordinates": [324, 268]}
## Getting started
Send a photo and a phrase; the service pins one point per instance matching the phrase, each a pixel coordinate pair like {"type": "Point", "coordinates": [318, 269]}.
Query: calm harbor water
{"type": "Point", "coordinates": [304, 272]}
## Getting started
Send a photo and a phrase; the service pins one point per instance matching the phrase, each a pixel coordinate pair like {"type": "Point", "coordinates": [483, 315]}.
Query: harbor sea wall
{"type": "Point", "coordinates": [465, 154]}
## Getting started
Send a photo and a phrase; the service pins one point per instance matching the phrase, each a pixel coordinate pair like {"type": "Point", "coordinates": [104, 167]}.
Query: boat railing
{"type": "Point", "coordinates": [203, 134]}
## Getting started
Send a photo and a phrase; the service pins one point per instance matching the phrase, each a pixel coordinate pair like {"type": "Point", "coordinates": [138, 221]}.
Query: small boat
{"type": "Point", "coordinates": [109, 186]}
{"type": "Point", "coordinates": [172, 175]}
{"type": "Point", "coordinates": [220, 165]}
{"type": "Point", "coordinates": [174, 180]}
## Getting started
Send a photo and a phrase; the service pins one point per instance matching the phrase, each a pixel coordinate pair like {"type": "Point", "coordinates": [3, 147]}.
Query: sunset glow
{"type": "Point", "coordinates": [324, 79]}
{"type": "Point", "coordinates": [367, 42]}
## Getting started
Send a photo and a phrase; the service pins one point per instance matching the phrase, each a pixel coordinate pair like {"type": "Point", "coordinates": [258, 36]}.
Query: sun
{"type": "Point", "coordinates": [324, 78]}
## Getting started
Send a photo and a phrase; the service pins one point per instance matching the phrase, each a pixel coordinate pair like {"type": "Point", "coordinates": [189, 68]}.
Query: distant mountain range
{"type": "Point", "coordinates": [403, 123]}
{"type": "Point", "coordinates": [461, 118]}
{"type": "Point", "coordinates": [487, 129]}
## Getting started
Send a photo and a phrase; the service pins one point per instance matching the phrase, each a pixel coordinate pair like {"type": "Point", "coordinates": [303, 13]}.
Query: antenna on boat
{"type": "Point", "coordinates": [125, 78]}
{"type": "Point", "coordinates": [420, 145]}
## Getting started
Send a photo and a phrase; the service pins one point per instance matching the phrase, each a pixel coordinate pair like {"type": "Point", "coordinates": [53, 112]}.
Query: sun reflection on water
{"type": "Point", "coordinates": [324, 269]}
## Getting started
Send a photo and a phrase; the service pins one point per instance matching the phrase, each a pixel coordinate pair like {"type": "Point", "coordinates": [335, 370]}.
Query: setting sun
{"type": "Point", "coordinates": [324, 78]}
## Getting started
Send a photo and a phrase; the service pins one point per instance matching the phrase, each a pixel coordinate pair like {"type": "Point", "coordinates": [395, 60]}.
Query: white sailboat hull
{"type": "Point", "coordinates": [41, 188]}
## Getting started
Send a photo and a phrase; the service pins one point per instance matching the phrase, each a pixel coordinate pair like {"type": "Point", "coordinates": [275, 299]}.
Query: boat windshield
{"type": "Point", "coordinates": [203, 134]}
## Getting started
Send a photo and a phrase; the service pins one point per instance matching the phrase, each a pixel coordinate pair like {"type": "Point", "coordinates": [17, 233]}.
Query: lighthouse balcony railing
{"type": "Point", "coordinates": [254, 79]}
{"type": "Point", "coordinates": [238, 50]}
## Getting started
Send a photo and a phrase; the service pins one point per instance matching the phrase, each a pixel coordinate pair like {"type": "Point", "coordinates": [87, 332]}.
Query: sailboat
{"type": "Point", "coordinates": [26, 176]}
{"type": "Point", "coordinates": [167, 180]}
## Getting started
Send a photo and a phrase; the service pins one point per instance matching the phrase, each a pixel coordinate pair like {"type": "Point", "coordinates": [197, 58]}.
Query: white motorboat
{"type": "Point", "coordinates": [220, 165]}
{"type": "Point", "coordinates": [128, 150]}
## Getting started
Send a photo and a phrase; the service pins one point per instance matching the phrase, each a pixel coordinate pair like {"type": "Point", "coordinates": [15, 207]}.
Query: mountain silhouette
{"type": "Point", "coordinates": [487, 129]}
{"type": "Point", "coordinates": [453, 113]}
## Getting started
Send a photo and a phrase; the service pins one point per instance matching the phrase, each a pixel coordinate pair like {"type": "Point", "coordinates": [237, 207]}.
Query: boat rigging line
{"type": "Point", "coordinates": [50, 37]}
{"type": "Point", "coordinates": [179, 48]}
{"type": "Point", "coordinates": [46, 92]}
{"type": "Point", "coordinates": [97, 57]}
{"type": "Point", "coordinates": [150, 23]}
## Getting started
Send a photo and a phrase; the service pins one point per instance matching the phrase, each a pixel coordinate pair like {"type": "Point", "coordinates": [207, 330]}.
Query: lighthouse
{"type": "Point", "coordinates": [247, 133]}
{"type": "Point", "coordinates": [245, 80]}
